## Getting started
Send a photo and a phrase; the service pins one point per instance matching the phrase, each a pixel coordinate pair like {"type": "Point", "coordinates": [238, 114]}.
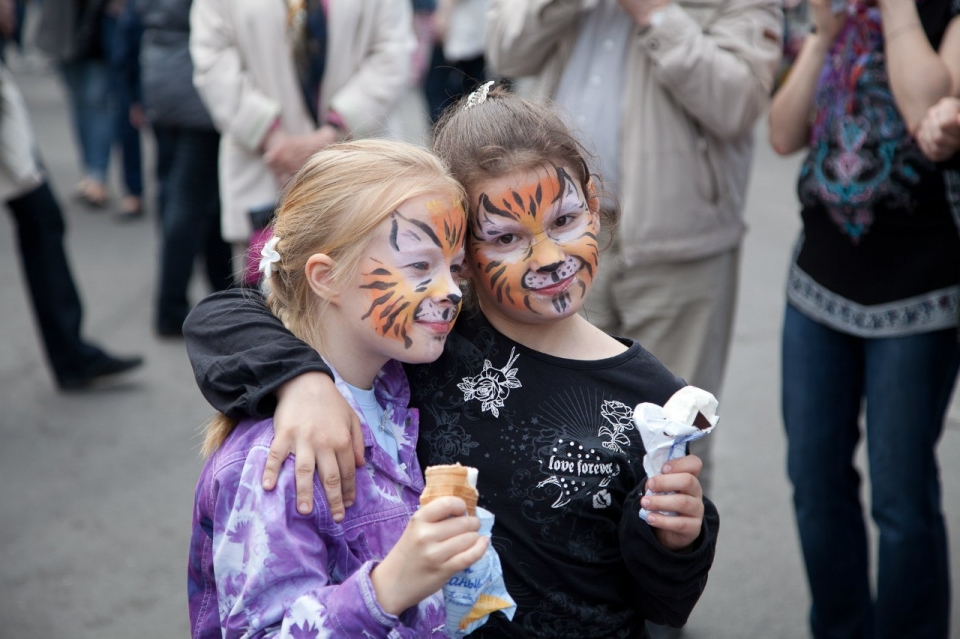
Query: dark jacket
{"type": "Point", "coordinates": [169, 97]}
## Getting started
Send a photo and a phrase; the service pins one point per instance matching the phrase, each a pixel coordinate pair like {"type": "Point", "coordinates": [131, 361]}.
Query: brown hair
{"type": "Point", "coordinates": [332, 206]}
{"type": "Point", "coordinates": [507, 133]}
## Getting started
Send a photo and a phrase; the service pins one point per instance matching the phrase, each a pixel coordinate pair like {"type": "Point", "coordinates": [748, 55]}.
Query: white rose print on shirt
{"type": "Point", "coordinates": [492, 386]}
{"type": "Point", "coordinates": [620, 418]}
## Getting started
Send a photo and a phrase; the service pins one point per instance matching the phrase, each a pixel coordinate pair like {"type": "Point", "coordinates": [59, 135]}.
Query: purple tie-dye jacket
{"type": "Point", "coordinates": [259, 568]}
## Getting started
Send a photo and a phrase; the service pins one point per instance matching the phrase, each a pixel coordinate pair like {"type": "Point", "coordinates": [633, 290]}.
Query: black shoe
{"type": "Point", "coordinates": [100, 368]}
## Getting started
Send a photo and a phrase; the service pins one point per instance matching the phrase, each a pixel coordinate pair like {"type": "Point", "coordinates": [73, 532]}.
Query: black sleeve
{"type": "Point", "coordinates": [669, 583]}
{"type": "Point", "coordinates": [241, 353]}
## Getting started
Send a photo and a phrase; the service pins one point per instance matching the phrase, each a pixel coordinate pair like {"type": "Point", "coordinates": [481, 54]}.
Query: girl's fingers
{"type": "Point", "coordinates": [458, 552]}
{"type": "Point", "coordinates": [683, 505]}
{"type": "Point", "coordinates": [685, 483]}
{"type": "Point", "coordinates": [279, 450]}
{"type": "Point", "coordinates": [441, 509]}
{"type": "Point", "coordinates": [687, 464]}
{"type": "Point", "coordinates": [328, 469]}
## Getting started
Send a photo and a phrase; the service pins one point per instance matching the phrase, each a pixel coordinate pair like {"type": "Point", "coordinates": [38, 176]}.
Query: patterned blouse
{"type": "Point", "coordinates": [880, 251]}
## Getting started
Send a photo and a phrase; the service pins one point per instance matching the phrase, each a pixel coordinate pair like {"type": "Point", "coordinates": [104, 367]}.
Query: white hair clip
{"type": "Point", "coordinates": [479, 96]}
{"type": "Point", "coordinates": [269, 257]}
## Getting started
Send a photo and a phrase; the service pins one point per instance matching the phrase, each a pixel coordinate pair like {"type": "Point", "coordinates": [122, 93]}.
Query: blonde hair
{"type": "Point", "coordinates": [332, 206]}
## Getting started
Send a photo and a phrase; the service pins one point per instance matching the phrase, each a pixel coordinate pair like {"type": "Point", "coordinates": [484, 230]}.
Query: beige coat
{"type": "Point", "coordinates": [696, 84]}
{"type": "Point", "coordinates": [245, 74]}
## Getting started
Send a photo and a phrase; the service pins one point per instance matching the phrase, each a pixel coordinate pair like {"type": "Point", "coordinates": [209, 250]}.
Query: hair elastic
{"type": "Point", "coordinates": [269, 257]}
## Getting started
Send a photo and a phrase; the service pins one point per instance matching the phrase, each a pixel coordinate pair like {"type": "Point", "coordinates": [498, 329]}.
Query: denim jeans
{"type": "Point", "coordinates": [91, 107]}
{"type": "Point", "coordinates": [906, 384]}
{"type": "Point", "coordinates": [56, 304]}
{"type": "Point", "coordinates": [122, 38]}
{"type": "Point", "coordinates": [189, 219]}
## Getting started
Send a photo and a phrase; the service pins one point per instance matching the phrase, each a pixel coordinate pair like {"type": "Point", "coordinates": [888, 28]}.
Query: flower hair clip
{"type": "Point", "coordinates": [269, 257]}
{"type": "Point", "coordinates": [479, 96]}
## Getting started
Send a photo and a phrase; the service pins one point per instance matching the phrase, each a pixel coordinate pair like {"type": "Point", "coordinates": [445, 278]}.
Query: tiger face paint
{"type": "Point", "coordinates": [533, 247]}
{"type": "Point", "coordinates": [408, 286]}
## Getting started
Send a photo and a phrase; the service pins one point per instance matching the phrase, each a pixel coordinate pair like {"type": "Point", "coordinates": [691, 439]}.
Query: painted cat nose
{"type": "Point", "coordinates": [550, 268]}
{"type": "Point", "coordinates": [454, 298]}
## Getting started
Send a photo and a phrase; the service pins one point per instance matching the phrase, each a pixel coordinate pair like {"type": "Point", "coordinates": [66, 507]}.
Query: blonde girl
{"type": "Point", "coordinates": [363, 267]}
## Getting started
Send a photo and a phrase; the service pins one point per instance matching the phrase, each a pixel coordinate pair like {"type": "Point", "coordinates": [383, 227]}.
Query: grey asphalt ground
{"type": "Point", "coordinates": [96, 489]}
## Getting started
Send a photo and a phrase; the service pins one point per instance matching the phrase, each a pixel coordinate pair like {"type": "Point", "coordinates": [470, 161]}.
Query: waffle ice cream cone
{"type": "Point", "coordinates": [485, 605]}
{"type": "Point", "coordinates": [456, 480]}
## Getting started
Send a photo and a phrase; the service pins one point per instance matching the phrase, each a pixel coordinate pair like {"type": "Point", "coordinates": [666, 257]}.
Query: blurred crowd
{"type": "Point", "coordinates": [666, 95]}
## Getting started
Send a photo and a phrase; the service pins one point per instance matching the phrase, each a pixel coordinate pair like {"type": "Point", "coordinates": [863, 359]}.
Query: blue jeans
{"type": "Point", "coordinates": [92, 109]}
{"type": "Point", "coordinates": [122, 35]}
{"type": "Point", "coordinates": [906, 383]}
{"type": "Point", "coordinates": [189, 219]}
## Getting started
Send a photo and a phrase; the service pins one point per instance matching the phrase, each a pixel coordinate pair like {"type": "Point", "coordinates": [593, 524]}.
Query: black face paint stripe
{"type": "Point", "coordinates": [393, 316]}
{"type": "Point", "coordinates": [417, 223]}
{"type": "Point", "coordinates": [492, 265]}
{"type": "Point", "coordinates": [496, 276]}
{"type": "Point", "coordinates": [376, 303]}
{"type": "Point", "coordinates": [488, 205]}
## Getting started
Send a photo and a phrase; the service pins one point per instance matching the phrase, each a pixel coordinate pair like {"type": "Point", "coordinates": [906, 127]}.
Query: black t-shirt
{"type": "Point", "coordinates": [880, 251]}
{"type": "Point", "coordinates": [558, 455]}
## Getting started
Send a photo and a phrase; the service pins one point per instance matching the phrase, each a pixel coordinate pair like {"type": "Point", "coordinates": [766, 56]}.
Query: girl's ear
{"type": "Point", "coordinates": [593, 201]}
{"type": "Point", "coordinates": [319, 272]}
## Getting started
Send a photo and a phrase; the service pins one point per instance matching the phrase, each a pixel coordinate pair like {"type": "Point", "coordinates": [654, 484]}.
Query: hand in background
{"type": "Point", "coordinates": [828, 24]}
{"type": "Point", "coordinates": [680, 477]}
{"type": "Point", "coordinates": [939, 132]}
{"type": "Point", "coordinates": [439, 542]}
{"type": "Point", "coordinates": [285, 153]}
{"type": "Point", "coordinates": [315, 423]}
{"type": "Point", "coordinates": [138, 118]}
{"type": "Point", "coordinates": [640, 10]}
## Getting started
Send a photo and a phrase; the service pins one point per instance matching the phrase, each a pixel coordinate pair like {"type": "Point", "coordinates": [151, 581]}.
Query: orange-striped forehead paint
{"type": "Point", "coordinates": [526, 239]}
{"type": "Point", "coordinates": [410, 274]}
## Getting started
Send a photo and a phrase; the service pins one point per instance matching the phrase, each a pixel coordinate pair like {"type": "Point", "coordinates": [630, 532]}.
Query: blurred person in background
{"type": "Point", "coordinates": [76, 363]}
{"type": "Point", "coordinates": [666, 94]}
{"type": "Point", "coordinates": [282, 80]}
{"type": "Point", "coordinates": [457, 64]}
{"type": "Point", "coordinates": [80, 37]}
{"type": "Point", "coordinates": [872, 301]}
{"type": "Point", "coordinates": [128, 116]}
{"type": "Point", "coordinates": [187, 148]}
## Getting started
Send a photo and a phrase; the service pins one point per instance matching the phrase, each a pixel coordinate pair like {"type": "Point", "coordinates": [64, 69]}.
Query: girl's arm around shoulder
{"type": "Point", "coordinates": [670, 581]}
{"type": "Point", "coordinates": [241, 353]}
{"type": "Point", "coordinates": [245, 361]}
{"type": "Point", "coordinates": [277, 568]}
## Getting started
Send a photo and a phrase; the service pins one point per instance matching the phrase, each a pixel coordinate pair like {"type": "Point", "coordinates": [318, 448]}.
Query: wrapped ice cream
{"type": "Point", "coordinates": [471, 595]}
{"type": "Point", "coordinates": [690, 414]}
